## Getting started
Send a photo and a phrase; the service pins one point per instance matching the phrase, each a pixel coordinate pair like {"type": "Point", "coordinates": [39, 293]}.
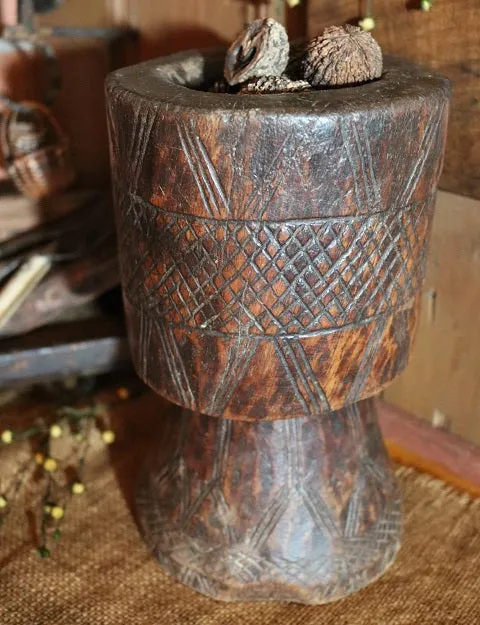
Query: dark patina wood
{"type": "Point", "coordinates": [272, 253]}
{"type": "Point", "coordinates": [248, 511]}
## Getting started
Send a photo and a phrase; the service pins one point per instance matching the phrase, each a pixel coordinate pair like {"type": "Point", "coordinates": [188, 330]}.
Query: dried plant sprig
{"type": "Point", "coordinates": [275, 84]}
{"type": "Point", "coordinates": [66, 422]}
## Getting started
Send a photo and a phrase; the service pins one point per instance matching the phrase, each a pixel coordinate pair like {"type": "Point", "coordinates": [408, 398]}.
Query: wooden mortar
{"type": "Point", "coordinates": [272, 253]}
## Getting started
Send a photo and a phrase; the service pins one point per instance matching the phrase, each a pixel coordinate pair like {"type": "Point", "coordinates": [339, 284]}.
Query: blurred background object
{"type": "Point", "coordinates": [57, 244]}
{"type": "Point", "coordinates": [80, 260]}
{"type": "Point", "coordinates": [65, 68]}
{"type": "Point", "coordinates": [35, 152]}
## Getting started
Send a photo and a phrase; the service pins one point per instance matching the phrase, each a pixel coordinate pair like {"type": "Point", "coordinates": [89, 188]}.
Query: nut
{"type": "Point", "coordinates": [342, 55]}
{"type": "Point", "coordinates": [261, 50]}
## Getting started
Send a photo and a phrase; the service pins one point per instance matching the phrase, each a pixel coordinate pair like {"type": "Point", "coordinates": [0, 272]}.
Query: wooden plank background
{"type": "Point", "coordinates": [178, 25]}
{"type": "Point", "coordinates": [445, 39]}
{"type": "Point", "coordinates": [168, 26]}
{"type": "Point", "coordinates": [164, 26]}
{"type": "Point", "coordinates": [442, 380]}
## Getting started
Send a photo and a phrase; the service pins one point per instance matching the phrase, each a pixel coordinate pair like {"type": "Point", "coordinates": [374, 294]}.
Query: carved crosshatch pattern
{"type": "Point", "coordinates": [273, 277]}
{"type": "Point", "coordinates": [357, 517]}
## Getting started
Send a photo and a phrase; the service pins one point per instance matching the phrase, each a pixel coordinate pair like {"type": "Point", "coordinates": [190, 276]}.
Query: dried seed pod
{"type": "Point", "coordinates": [342, 55]}
{"type": "Point", "coordinates": [261, 50]}
{"type": "Point", "coordinates": [294, 68]}
{"type": "Point", "coordinates": [275, 84]}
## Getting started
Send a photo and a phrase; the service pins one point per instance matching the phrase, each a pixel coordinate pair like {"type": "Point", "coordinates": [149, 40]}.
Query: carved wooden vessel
{"type": "Point", "coordinates": [272, 254]}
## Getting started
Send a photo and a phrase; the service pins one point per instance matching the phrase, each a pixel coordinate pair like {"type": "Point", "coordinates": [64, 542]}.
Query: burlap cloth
{"type": "Point", "coordinates": [100, 572]}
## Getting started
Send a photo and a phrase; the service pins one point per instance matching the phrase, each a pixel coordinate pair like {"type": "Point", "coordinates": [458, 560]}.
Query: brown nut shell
{"type": "Point", "coordinates": [261, 50]}
{"type": "Point", "coordinates": [342, 55]}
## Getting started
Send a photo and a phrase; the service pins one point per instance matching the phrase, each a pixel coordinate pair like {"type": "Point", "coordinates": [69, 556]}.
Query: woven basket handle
{"type": "Point", "coordinates": [9, 109]}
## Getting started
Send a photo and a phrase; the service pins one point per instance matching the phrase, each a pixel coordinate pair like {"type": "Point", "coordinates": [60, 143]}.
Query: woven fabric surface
{"type": "Point", "coordinates": [100, 572]}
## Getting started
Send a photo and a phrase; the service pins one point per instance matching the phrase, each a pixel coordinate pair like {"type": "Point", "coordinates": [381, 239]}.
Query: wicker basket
{"type": "Point", "coordinates": [43, 171]}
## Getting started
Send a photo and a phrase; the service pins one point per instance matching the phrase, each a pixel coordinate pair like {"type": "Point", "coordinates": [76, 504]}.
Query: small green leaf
{"type": "Point", "coordinates": [43, 552]}
{"type": "Point", "coordinates": [56, 534]}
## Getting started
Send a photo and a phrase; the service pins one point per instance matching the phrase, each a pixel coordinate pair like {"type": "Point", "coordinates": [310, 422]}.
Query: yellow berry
{"type": "Point", "coordinates": [123, 393]}
{"type": "Point", "coordinates": [108, 436]}
{"type": "Point", "coordinates": [39, 458]}
{"type": "Point", "coordinates": [7, 437]}
{"type": "Point", "coordinates": [57, 512]}
{"type": "Point", "coordinates": [70, 383]}
{"type": "Point", "coordinates": [47, 509]}
{"type": "Point", "coordinates": [368, 23]}
{"type": "Point", "coordinates": [78, 488]}
{"type": "Point", "coordinates": [50, 465]}
{"type": "Point", "coordinates": [55, 431]}
{"type": "Point", "coordinates": [3, 502]}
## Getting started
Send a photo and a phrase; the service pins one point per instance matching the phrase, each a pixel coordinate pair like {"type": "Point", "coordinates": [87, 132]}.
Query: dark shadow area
{"type": "Point", "coordinates": [413, 5]}
{"type": "Point", "coordinates": [353, 21]}
{"type": "Point", "coordinates": [140, 426]}
{"type": "Point", "coordinates": [297, 21]}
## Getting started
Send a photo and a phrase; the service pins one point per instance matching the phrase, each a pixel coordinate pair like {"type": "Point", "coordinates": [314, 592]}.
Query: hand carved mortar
{"type": "Point", "coordinates": [272, 254]}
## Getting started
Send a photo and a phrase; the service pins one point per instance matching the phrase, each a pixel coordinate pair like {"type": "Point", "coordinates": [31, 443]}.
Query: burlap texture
{"type": "Point", "coordinates": [100, 573]}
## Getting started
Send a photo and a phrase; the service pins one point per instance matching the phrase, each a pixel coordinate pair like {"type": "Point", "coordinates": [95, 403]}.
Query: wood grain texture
{"type": "Point", "coordinates": [272, 255]}
{"type": "Point", "coordinates": [444, 370]}
{"type": "Point", "coordinates": [283, 250]}
{"type": "Point", "coordinates": [443, 40]}
{"type": "Point", "coordinates": [257, 511]}
{"type": "Point", "coordinates": [412, 442]}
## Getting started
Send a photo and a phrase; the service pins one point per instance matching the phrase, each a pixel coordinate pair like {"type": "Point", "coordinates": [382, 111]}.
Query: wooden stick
{"type": "Point", "coordinates": [416, 443]}
{"type": "Point", "coordinates": [19, 287]}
